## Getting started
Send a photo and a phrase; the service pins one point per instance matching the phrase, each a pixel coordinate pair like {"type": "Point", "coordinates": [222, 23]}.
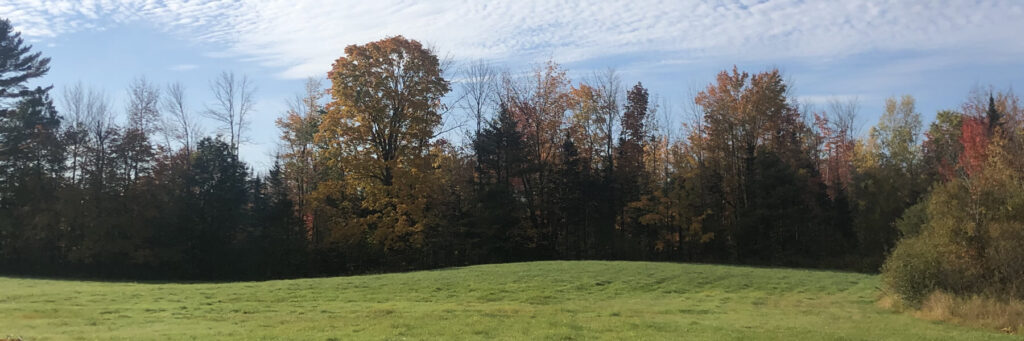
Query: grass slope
{"type": "Point", "coordinates": [524, 301]}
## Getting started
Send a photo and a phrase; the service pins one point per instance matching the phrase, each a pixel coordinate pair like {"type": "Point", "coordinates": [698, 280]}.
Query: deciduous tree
{"type": "Point", "coordinates": [233, 103]}
{"type": "Point", "coordinates": [378, 133]}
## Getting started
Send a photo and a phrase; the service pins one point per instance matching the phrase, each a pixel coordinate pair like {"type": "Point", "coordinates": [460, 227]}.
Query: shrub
{"type": "Point", "coordinates": [964, 239]}
{"type": "Point", "coordinates": [914, 270]}
{"type": "Point", "coordinates": [1005, 256]}
{"type": "Point", "coordinates": [913, 220]}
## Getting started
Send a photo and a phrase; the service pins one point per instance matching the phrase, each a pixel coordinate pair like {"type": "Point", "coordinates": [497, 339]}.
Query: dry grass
{"type": "Point", "coordinates": [890, 302]}
{"type": "Point", "coordinates": [1006, 315]}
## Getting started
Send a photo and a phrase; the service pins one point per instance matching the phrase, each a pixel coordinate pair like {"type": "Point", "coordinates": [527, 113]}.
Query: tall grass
{"type": "Point", "coordinates": [1006, 315]}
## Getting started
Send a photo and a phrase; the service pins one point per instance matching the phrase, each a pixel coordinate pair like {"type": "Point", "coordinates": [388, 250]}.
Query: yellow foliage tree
{"type": "Point", "coordinates": [377, 134]}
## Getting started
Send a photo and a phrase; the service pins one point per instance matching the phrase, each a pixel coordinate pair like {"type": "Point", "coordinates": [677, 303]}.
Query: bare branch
{"type": "Point", "coordinates": [479, 88]}
{"type": "Point", "coordinates": [844, 115]}
{"type": "Point", "coordinates": [232, 105]}
{"type": "Point", "coordinates": [143, 106]}
{"type": "Point", "coordinates": [180, 124]}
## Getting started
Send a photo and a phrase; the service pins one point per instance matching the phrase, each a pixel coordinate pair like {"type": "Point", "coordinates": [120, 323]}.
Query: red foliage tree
{"type": "Point", "coordinates": [975, 139]}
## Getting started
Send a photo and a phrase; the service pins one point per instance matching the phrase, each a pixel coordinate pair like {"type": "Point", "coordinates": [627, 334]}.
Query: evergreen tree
{"type": "Point", "coordinates": [496, 221]}
{"type": "Point", "coordinates": [18, 64]}
{"type": "Point", "coordinates": [282, 241]}
{"type": "Point", "coordinates": [994, 117]}
{"type": "Point", "coordinates": [218, 185]}
{"type": "Point", "coordinates": [577, 204]}
{"type": "Point", "coordinates": [31, 162]}
{"type": "Point", "coordinates": [628, 184]}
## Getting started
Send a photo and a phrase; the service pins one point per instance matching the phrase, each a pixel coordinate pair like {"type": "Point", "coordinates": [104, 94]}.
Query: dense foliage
{"type": "Point", "coordinates": [555, 169]}
{"type": "Point", "coordinates": [965, 236]}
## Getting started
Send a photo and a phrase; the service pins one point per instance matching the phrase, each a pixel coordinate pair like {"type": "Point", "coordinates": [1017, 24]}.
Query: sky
{"type": "Point", "coordinates": [862, 50]}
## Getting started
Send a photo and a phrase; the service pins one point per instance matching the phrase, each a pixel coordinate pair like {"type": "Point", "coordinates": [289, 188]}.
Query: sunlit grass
{"type": "Point", "coordinates": [523, 301]}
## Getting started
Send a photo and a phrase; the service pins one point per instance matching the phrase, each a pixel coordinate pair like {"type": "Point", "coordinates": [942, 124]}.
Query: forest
{"type": "Point", "coordinates": [551, 168]}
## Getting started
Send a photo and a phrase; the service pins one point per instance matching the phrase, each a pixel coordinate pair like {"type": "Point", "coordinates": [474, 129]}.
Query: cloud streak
{"type": "Point", "coordinates": [302, 38]}
{"type": "Point", "coordinates": [183, 67]}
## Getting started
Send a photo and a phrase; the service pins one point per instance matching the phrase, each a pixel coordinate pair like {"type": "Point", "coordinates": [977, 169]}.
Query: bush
{"type": "Point", "coordinates": [914, 270]}
{"type": "Point", "coordinates": [1005, 256]}
{"type": "Point", "coordinates": [965, 240]}
{"type": "Point", "coordinates": [913, 220]}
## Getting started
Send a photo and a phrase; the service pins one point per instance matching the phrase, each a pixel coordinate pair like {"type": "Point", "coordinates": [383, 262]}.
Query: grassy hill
{"type": "Point", "coordinates": [523, 301]}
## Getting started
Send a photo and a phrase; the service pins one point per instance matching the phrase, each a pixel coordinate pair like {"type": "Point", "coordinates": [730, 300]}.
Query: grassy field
{"type": "Point", "coordinates": [524, 301]}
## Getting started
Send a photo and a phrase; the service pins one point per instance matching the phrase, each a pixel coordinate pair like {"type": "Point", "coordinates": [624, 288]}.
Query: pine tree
{"type": "Point", "coordinates": [282, 242]}
{"type": "Point", "coordinates": [31, 161]}
{"type": "Point", "coordinates": [994, 116]}
{"type": "Point", "coordinates": [497, 216]}
{"type": "Point", "coordinates": [218, 184]}
{"type": "Point", "coordinates": [30, 156]}
{"type": "Point", "coordinates": [17, 64]}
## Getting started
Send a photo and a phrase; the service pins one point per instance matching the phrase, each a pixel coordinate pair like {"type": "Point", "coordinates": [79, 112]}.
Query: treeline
{"type": "Point", "coordinates": [150, 197]}
{"type": "Point", "coordinates": [550, 168]}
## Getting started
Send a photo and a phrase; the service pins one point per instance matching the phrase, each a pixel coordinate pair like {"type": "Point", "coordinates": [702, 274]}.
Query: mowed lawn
{"type": "Point", "coordinates": [525, 301]}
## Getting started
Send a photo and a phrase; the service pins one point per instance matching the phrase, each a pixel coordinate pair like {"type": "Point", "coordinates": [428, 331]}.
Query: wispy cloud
{"type": "Point", "coordinates": [302, 38]}
{"type": "Point", "coordinates": [183, 67]}
{"type": "Point", "coordinates": [825, 100]}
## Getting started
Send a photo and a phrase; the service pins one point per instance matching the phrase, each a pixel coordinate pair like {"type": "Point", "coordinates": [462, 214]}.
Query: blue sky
{"type": "Point", "coordinates": [934, 50]}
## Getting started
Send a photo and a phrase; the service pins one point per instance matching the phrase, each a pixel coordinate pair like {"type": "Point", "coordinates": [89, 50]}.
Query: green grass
{"type": "Point", "coordinates": [524, 301]}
